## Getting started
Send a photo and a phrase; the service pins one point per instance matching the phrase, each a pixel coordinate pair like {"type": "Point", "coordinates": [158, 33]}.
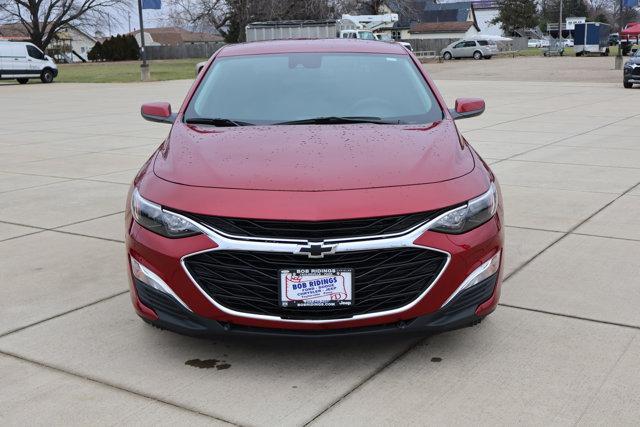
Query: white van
{"type": "Point", "coordinates": [24, 61]}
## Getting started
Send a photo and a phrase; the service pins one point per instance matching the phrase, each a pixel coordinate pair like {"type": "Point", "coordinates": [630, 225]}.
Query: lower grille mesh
{"type": "Point", "coordinates": [249, 281]}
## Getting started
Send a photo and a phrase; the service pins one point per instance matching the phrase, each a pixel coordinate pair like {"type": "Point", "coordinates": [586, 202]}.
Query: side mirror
{"type": "Point", "coordinates": [467, 107]}
{"type": "Point", "coordinates": [159, 112]}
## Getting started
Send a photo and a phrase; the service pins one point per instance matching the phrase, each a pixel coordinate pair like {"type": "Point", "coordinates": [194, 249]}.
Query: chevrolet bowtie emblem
{"type": "Point", "coordinates": [316, 250]}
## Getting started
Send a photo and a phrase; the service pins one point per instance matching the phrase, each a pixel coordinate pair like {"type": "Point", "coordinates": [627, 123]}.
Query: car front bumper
{"type": "Point", "coordinates": [460, 313]}
{"type": "Point", "coordinates": [187, 309]}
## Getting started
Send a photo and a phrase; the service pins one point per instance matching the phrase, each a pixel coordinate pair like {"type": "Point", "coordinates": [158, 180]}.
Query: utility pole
{"type": "Point", "coordinates": [618, 65]}
{"type": "Point", "coordinates": [560, 27]}
{"type": "Point", "coordinates": [144, 67]}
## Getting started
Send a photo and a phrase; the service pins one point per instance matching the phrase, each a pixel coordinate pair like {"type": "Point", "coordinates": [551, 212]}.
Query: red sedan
{"type": "Point", "coordinates": [314, 187]}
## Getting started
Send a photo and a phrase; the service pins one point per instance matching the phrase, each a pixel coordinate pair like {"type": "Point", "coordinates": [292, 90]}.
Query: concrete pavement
{"type": "Point", "coordinates": [563, 347]}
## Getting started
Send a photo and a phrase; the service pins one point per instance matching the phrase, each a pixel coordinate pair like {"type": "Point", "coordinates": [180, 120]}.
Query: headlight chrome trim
{"type": "Point", "coordinates": [156, 219]}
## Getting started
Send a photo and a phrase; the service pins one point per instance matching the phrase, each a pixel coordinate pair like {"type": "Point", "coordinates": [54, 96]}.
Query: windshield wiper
{"type": "Point", "coordinates": [339, 120]}
{"type": "Point", "coordinates": [219, 122]}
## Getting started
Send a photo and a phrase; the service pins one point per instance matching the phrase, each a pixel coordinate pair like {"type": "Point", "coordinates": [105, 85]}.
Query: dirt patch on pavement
{"type": "Point", "coordinates": [593, 69]}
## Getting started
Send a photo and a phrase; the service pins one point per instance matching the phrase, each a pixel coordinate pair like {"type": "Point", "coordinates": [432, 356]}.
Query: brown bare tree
{"type": "Point", "coordinates": [43, 19]}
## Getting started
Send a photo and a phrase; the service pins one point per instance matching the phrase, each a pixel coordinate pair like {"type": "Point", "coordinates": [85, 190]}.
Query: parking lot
{"type": "Point", "coordinates": [562, 348]}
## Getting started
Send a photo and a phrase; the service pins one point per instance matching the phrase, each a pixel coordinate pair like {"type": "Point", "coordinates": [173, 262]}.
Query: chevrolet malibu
{"type": "Point", "coordinates": [314, 188]}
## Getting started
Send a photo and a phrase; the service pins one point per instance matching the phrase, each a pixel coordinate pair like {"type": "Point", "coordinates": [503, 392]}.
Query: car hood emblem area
{"type": "Point", "coordinates": [316, 249]}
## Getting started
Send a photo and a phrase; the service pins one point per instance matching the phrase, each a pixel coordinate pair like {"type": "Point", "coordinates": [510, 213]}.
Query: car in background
{"type": "Point", "coordinates": [476, 49]}
{"type": "Point", "coordinates": [614, 39]}
{"type": "Point", "coordinates": [388, 39]}
{"type": "Point", "coordinates": [631, 71]}
{"type": "Point", "coordinates": [534, 43]}
{"type": "Point", "coordinates": [544, 43]}
{"type": "Point", "coordinates": [23, 61]}
{"type": "Point", "coordinates": [568, 42]}
{"type": "Point", "coordinates": [274, 206]}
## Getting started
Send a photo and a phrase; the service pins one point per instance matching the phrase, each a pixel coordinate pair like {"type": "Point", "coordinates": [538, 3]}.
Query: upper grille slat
{"type": "Point", "coordinates": [249, 281]}
{"type": "Point", "coordinates": [315, 230]}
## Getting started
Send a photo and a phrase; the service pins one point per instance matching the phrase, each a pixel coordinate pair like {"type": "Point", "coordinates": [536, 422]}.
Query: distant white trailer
{"type": "Point", "coordinates": [316, 29]}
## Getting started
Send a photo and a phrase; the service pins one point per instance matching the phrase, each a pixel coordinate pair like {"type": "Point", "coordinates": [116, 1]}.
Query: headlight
{"type": "Point", "coordinates": [475, 213]}
{"type": "Point", "coordinates": [152, 217]}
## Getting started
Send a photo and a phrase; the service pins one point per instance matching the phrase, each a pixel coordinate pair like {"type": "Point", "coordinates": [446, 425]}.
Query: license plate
{"type": "Point", "coordinates": [326, 287]}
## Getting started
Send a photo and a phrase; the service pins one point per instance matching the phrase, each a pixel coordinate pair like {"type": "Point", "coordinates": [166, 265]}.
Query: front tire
{"type": "Point", "coordinates": [477, 55]}
{"type": "Point", "coordinates": [46, 76]}
{"type": "Point", "coordinates": [487, 57]}
{"type": "Point", "coordinates": [447, 56]}
{"type": "Point", "coordinates": [627, 85]}
{"type": "Point", "coordinates": [22, 81]}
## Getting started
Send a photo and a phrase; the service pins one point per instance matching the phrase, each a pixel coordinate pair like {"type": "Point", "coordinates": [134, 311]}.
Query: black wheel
{"type": "Point", "coordinates": [46, 76]}
{"type": "Point", "coordinates": [447, 56]}
{"type": "Point", "coordinates": [487, 57]}
{"type": "Point", "coordinates": [627, 85]}
{"type": "Point", "coordinates": [22, 81]}
{"type": "Point", "coordinates": [477, 55]}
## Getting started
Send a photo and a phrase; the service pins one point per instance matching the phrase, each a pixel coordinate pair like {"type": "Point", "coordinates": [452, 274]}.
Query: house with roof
{"type": "Point", "coordinates": [174, 36]}
{"type": "Point", "coordinates": [428, 19]}
{"type": "Point", "coordinates": [70, 44]}
{"type": "Point", "coordinates": [485, 12]}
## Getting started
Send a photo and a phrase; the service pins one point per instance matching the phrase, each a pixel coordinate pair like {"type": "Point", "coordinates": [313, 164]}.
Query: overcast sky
{"type": "Point", "coordinates": [152, 18]}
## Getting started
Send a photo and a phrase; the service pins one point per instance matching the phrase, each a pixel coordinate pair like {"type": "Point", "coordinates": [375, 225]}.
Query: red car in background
{"type": "Point", "coordinates": [314, 187]}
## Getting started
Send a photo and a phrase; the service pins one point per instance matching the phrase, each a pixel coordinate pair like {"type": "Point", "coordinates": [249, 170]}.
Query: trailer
{"type": "Point", "coordinates": [307, 29]}
{"type": "Point", "coordinates": [591, 37]}
{"type": "Point", "coordinates": [349, 27]}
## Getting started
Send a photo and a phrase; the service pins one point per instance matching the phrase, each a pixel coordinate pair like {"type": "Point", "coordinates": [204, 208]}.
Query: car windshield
{"type": "Point", "coordinates": [280, 88]}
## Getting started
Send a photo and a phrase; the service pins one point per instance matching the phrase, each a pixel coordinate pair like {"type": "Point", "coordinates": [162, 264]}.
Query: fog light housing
{"type": "Point", "coordinates": [152, 280]}
{"type": "Point", "coordinates": [486, 270]}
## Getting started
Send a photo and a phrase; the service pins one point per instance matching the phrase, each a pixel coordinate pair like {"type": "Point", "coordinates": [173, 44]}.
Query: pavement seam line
{"type": "Point", "coordinates": [22, 235]}
{"type": "Point", "coordinates": [564, 138]}
{"type": "Point", "coordinates": [560, 189]}
{"type": "Point", "coordinates": [368, 378]}
{"type": "Point", "coordinates": [61, 226]}
{"type": "Point", "coordinates": [60, 180]}
{"type": "Point", "coordinates": [569, 232]}
{"type": "Point", "coordinates": [55, 316]}
{"type": "Point", "coordinates": [571, 316]}
{"type": "Point", "coordinates": [594, 396]}
{"type": "Point", "coordinates": [626, 239]}
{"type": "Point", "coordinates": [114, 386]}
{"type": "Point", "coordinates": [572, 164]}
{"type": "Point", "coordinates": [66, 178]}
{"type": "Point", "coordinates": [71, 233]}
{"type": "Point", "coordinates": [85, 220]}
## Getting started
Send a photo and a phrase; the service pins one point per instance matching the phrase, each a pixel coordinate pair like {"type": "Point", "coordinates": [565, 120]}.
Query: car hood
{"type": "Point", "coordinates": [312, 157]}
{"type": "Point", "coordinates": [634, 60]}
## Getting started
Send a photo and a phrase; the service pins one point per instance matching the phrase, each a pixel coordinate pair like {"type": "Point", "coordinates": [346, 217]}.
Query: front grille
{"type": "Point", "coordinates": [312, 230]}
{"type": "Point", "coordinates": [636, 71]}
{"type": "Point", "coordinates": [382, 279]}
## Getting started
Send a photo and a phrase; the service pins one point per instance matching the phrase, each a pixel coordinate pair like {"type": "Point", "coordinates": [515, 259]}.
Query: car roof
{"type": "Point", "coordinates": [315, 45]}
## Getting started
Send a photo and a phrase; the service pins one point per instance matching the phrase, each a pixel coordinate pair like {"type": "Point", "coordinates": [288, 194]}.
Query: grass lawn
{"type": "Point", "coordinates": [568, 51]}
{"type": "Point", "coordinates": [126, 71]}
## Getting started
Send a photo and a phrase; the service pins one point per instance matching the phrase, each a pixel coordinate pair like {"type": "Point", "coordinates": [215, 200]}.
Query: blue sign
{"type": "Point", "coordinates": [154, 4]}
{"type": "Point", "coordinates": [631, 3]}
